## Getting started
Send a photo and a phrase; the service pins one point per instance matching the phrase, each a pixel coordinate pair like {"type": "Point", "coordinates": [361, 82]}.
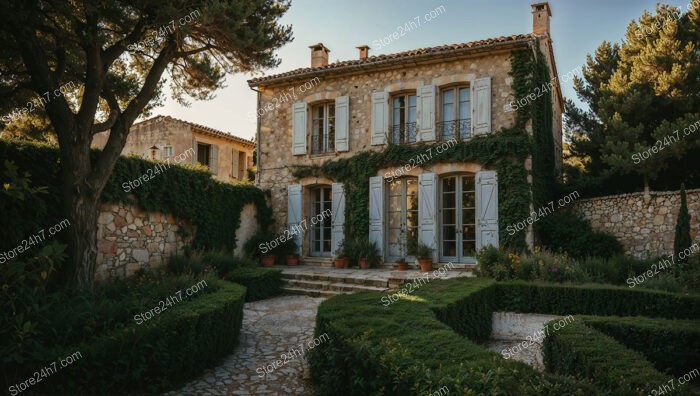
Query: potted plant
{"type": "Point", "coordinates": [401, 263]}
{"type": "Point", "coordinates": [259, 247]}
{"type": "Point", "coordinates": [367, 253]}
{"type": "Point", "coordinates": [290, 249]}
{"type": "Point", "coordinates": [424, 254]}
{"type": "Point", "coordinates": [341, 259]}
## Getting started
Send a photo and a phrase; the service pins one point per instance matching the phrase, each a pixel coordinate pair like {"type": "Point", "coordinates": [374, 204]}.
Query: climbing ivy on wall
{"type": "Point", "coordinates": [212, 207]}
{"type": "Point", "coordinates": [504, 151]}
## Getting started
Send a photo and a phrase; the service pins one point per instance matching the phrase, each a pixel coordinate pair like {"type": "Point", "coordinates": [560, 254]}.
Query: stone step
{"type": "Point", "coordinates": [309, 292]}
{"type": "Point", "coordinates": [337, 278]}
{"type": "Point", "coordinates": [325, 262]}
{"type": "Point", "coordinates": [345, 287]}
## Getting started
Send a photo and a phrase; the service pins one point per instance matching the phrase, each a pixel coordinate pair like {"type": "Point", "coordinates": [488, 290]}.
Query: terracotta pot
{"type": "Point", "coordinates": [402, 266]}
{"type": "Point", "coordinates": [365, 264]}
{"type": "Point", "coordinates": [268, 261]}
{"type": "Point", "coordinates": [292, 260]}
{"type": "Point", "coordinates": [341, 262]}
{"type": "Point", "coordinates": [425, 264]}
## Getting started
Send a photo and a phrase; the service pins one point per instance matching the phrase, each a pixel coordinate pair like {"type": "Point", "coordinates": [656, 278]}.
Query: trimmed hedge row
{"type": "Point", "coordinates": [412, 345]}
{"type": "Point", "coordinates": [261, 283]}
{"type": "Point", "coordinates": [395, 348]}
{"type": "Point", "coordinates": [155, 356]}
{"type": "Point", "coordinates": [577, 349]}
{"type": "Point", "coordinates": [594, 299]}
{"type": "Point", "coordinates": [671, 345]}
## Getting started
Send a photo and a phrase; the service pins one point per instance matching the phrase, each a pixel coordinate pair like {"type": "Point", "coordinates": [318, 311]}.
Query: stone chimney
{"type": "Point", "coordinates": [319, 55]}
{"type": "Point", "coordinates": [364, 51]}
{"type": "Point", "coordinates": [541, 14]}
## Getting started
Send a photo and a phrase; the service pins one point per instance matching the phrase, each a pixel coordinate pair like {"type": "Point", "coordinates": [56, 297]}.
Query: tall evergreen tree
{"type": "Point", "coordinates": [682, 240]}
{"type": "Point", "coordinates": [639, 93]}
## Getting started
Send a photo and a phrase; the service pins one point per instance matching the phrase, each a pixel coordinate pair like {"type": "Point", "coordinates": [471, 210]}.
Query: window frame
{"type": "Point", "coordinates": [455, 88]}
{"type": "Point", "coordinates": [208, 152]}
{"type": "Point", "coordinates": [406, 123]}
{"type": "Point", "coordinates": [327, 136]}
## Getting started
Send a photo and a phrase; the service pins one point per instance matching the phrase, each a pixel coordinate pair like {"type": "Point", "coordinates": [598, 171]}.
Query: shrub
{"type": "Point", "coordinates": [594, 299]}
{"type": "Point", "coordinates": [682, 240]}
{"type": "Point", "coordinates": [577, 349]}
{"type": "Point", "coordinates": [155, 356]}
{"type": "Point", "coordinates": [224, 262]}
{"type": "Point", "coordinates": [564, 231]}
{"type": "Point", "coordinates": [671, 345]}
{"type": "Point", "coordinates": [261, 283]}
{"type": "Point", "coordinates": [252, 247]}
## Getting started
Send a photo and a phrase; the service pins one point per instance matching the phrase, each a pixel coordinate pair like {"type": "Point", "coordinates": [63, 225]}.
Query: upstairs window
{"type": "Point", "coordinates": [404, 128]}
{"type": "Point", "coordinates": [455, 113]}
{"type": "Point", "coordinates": [323, 128]}
{"type": "Point", "coordinates": [204, 154]}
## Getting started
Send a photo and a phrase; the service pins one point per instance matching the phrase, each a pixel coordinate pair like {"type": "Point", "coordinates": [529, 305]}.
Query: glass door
{"type": "Point", "coordinates": [402, 217]}
{"type": "Point", "coordinates": [321, 231]}
{"type": "Point", "coordinates": [458, 218]}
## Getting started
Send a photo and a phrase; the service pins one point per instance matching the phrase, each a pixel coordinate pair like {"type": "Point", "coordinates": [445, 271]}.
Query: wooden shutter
{"type": "Point", "coordinates": [342, 123]}
{"type": "Point", "coordinates": [427, 209]}
{"type": "Point", "coordinates": [481, 106]}
{"type": "Point", "coordinates": [299, 128]}
{"type": "Point", "coordinates": [376, 212]}
{"type": "Point", "coordinates": [214, 160]}
{"type": "Point", "coordinates": [486, 209]}
{"type": "Point", "coordinates": [195, 158]}
{"type": "Point", "coordinates": [234, 163]}
{"type": "Point", "coordinates": [294, 212]}
{"type": "Point", "coordinates": [425, 110]}
{"type": "Point", "coordinates": [337, 215]}
{"type": "Point", "coordinates": [380, 118]}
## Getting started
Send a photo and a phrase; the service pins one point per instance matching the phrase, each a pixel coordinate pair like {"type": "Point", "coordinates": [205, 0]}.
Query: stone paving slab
{"type": "Point", "coordinates": [374, 274]}
{"type": "Point", "coordinates": [271, 328]}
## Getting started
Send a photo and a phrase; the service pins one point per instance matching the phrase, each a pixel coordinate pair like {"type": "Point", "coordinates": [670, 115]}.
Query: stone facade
{"type": "Point", "coordinates": [230, 156]}
{"type": "Point", "coordinates": [644, 225]}
{"type": "Point", "coordinates": [129, 239]}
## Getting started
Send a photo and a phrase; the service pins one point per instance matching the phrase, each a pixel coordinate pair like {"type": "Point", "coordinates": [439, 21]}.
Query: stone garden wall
{"type": "Point", "coordinates": [129, 238]}
{"type": "Point", "coordinates": [644, 225]}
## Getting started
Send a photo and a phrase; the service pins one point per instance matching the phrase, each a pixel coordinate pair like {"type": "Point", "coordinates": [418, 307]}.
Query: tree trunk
{"type": "Point", "coordinates": [82, 240]}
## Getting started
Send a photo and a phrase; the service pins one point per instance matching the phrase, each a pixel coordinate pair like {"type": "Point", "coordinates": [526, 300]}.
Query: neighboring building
{"type": "Point", "coordinates": [424, 95]}
{"type": "Point", "coordinates": [162, 137]}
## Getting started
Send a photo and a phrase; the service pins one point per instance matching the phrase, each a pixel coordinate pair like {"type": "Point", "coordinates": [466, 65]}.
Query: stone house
{"type": "Point", "coordinates": [422, 96]}
{"type": "Point", "coordinates": [166, 138]}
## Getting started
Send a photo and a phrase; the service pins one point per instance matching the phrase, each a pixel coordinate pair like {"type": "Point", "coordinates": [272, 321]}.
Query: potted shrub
{"type": "Point", "coordinates": [258, 247]}
{"type": "Point", "coordinates": [290, 249]}
{"type": "Point", "coordinates": [367, 253]}
{"type": "Point", "coordinates": [424, 254]}
{"type": "Point", "coordinates": [341, 259]}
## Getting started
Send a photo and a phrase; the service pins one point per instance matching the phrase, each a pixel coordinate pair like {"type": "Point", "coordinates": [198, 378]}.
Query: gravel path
{"type": "Point", "coordinates": [262, 363]}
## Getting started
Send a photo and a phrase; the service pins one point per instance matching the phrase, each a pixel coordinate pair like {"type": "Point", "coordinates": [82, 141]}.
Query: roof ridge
{"type": "Point", "coordinates": [397, 56]}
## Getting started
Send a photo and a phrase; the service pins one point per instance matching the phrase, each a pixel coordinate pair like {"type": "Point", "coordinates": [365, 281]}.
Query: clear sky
{"type": "Point", "coordinates": [578, 27]}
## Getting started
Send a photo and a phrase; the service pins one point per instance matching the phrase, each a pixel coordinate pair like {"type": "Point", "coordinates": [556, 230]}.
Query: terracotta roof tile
{"type": "Point", "coordinates": [396, 57]}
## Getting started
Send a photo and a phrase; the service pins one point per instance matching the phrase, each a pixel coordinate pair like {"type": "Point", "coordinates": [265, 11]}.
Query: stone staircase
{"type": "Point", "coordinates": [323, 281]}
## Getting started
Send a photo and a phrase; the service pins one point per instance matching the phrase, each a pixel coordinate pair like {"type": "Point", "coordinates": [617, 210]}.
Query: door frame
{"type": "Point", "coordinates": [458, 193]}
{"type": "Point", "coordinates": [312, 228]}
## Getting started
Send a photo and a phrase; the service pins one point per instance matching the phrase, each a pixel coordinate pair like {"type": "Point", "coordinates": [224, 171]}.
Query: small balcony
{"type": "Point", "coordinates": [403, 133]}
{"type": "Point", "coordinates": [455, 129]}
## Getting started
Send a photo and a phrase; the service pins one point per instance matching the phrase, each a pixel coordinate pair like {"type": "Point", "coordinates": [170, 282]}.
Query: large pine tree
{"type": "Point", "coordinates": [640, 92]}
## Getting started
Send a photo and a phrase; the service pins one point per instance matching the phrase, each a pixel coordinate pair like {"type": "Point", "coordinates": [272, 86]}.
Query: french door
{"type": "Point", "coordinates": [458, 218]}
{"type": "Point", "coordinates": [402, 217]}
{"type": "Point", "coordinates": [321, 198]}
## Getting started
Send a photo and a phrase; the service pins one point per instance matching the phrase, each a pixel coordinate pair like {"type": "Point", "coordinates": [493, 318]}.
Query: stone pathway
{"type": "Point", "coordinates": [271, 328]}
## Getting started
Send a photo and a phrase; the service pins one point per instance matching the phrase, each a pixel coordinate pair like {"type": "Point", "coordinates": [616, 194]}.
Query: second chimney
{"type": "Point", "coordinates": [541, 14]}
{"type": "Point", "coordinates": [364, 51]}
{"type": "Point", "coordinates": [319, 55]}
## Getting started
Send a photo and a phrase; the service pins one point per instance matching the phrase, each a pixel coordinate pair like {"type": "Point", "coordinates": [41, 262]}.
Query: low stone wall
{"type": "Point", "coordinates": [644, 225]}
{"type": "Point", "coordinates": [129, 238]}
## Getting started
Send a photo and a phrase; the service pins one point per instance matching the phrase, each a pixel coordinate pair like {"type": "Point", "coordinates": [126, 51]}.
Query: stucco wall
{"type": "Point", "coordinates": [644, 225]}
{"type": "Point", "coordinates": [129, 238]}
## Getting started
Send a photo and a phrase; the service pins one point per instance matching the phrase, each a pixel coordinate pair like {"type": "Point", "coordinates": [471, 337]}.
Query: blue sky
{"type": "Point", "coordinates": [578, 27]}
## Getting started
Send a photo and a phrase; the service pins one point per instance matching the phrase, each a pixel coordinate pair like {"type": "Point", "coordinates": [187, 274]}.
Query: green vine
{"type": "Point", "coordinates": [212, 207]}
{"type": "Point", "coordinates": [505, 151]}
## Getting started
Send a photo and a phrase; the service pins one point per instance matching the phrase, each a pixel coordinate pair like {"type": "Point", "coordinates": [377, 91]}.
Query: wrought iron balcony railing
{"type": "Point", "coordinates": [456, 129]}
{"type": "Point", "coordinates": [404, 133]}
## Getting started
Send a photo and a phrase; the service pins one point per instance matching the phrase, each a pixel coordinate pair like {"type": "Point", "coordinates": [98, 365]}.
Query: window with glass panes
{"type": "Point", "coordinates": [403, 124]}
{"type": "Point", "coordinates": [455, 113]}
{"type": "Point", "coordinates": [321, 231]}
{"type": "Point", "coordinates": [323, 128]}
{"type": "Point", "coordinates": [402, 216]}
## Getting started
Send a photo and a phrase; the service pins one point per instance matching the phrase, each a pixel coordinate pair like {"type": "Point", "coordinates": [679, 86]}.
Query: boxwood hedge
{"type": "Point", "coordinates": [413, 344]}
{"type": "Point", "coordinates": [261, 283]}
{"type": "Point", "coordinates": [151, 357]}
